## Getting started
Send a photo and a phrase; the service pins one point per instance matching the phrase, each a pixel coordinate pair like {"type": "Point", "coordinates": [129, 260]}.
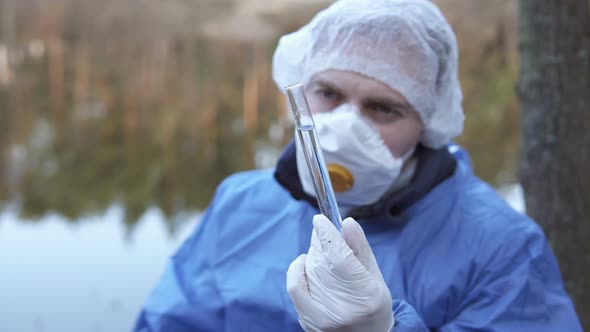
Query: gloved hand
{"type": "Point", "coordinates": [338, 286]}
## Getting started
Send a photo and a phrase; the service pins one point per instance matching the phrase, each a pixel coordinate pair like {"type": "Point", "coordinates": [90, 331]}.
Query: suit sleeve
{"type": "Point", "coordinates": [187, 297]}
{"type": "Point", "coordinates": [406, 318]}
{"type": "Point", "coordinates": [521, 290]}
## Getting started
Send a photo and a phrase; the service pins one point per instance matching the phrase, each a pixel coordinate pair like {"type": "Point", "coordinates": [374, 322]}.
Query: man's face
{"type": "Point", "coordinates": [400, 126]}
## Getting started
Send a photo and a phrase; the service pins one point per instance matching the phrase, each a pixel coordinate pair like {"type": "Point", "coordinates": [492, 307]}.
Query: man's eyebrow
{"type": "Point", "coordinates": [399, 105]}
{"type": "Point", "coordinates": [327, 84]}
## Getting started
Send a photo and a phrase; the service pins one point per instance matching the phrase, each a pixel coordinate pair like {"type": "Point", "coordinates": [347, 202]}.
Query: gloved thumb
{"type": "Point", "coordinates": [328, 245]}
{"type": "Point", "coordinates": [357, 241]}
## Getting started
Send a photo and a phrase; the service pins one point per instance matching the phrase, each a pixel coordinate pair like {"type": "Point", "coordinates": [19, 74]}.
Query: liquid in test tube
{"type": "Point", "coordinates": [314, 158]}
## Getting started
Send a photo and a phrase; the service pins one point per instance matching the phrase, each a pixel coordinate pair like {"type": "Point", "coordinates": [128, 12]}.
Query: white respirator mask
{"type": "Point", "coordinates": [360, 165]}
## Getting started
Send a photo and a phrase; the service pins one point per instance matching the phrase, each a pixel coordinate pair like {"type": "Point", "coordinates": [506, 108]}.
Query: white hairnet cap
{"type": "Point", "coordinates": [406, 44]}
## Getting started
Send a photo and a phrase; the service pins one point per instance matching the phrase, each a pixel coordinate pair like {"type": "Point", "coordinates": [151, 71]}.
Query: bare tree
{"type": "Point", "coordinates": [7, 13]}
{"type": "Point", "coordinates": [555, 165]}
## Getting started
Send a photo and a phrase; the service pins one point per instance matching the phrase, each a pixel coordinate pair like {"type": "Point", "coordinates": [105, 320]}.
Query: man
{"type": "Point", "coordinates": [427, 245]}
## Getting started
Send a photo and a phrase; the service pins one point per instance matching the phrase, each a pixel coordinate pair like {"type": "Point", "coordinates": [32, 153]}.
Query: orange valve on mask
{"type": "Point", "coordinates": [341, 178]}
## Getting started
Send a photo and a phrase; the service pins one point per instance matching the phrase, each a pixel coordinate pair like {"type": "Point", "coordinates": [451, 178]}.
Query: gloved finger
{"type": "Point", "coordinates": [357, 241]}
{"type": "Point", "coordinates": [332, 244]}
{"type": "Point", "coordinates": [297, 285]}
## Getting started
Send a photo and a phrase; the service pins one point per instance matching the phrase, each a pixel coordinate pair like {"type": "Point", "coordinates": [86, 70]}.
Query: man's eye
{"type": "Point", "coordinates": [383, 113]}
{"type": "Point", "coordinates": [328, 94]}
{"type": "Point", "coordinates": [385, 110]}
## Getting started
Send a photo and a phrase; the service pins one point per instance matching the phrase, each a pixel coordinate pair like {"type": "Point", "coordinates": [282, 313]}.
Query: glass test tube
{"type": "Point", "coordinates": [310, 143]}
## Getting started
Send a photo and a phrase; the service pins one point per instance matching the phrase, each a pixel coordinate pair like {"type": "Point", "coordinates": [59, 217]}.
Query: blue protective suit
{"type": "Point", "coordinates": [457, 259]}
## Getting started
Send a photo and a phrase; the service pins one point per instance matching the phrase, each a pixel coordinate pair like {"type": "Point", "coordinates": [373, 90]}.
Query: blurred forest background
{"type": "Point", "coordinates": [148, 102]}
{"type": "Point", "coordinates": [120, 113]}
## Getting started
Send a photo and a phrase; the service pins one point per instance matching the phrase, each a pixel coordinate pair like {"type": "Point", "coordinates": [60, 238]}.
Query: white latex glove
{"type": "Point", "coordinates": [338, 286]}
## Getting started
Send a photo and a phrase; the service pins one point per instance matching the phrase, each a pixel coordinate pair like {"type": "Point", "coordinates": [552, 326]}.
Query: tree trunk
{"type": "Point", "coordinates": [8, 13]}
{"type": "Point", "coordinates": [555, 166]}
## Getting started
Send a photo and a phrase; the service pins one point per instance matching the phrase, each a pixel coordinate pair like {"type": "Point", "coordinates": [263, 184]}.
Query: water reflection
{"type": "Point", "coordinates": [92, 276]}
{"type": "Point", "coordinates": [166, 140]}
